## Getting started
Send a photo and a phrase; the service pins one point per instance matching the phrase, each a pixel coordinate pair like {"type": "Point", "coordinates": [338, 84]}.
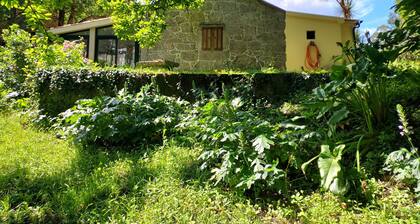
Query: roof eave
{"type": "Point", "coordinates": [82, 26]}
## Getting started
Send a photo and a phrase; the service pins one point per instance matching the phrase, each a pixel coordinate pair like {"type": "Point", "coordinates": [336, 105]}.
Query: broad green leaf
{"type": "Point", "coordinates": [261, 143]}
{"type": "Point", "coordinates": [330, 168]}
{"type": "Point", "coordinates": [338, 116]}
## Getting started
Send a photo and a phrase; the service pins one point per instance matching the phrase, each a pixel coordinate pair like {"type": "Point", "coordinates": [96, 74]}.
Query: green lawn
{"type": "Point", "coordinates": [43, 179]}
{"type": "Point", "coordinates": [46, 180]}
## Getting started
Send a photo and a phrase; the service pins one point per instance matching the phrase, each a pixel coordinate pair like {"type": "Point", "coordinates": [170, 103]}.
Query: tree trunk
{"type": "Point", "coordinates": [72, 16]}
{"type": "Point", "coordinates": [61, 16]}
{"type": "Point", "coordinates": [346, 7]}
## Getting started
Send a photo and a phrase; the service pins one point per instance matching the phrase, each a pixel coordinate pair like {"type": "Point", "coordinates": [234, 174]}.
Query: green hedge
{"type": "Point", "coordinates": [58, 89]}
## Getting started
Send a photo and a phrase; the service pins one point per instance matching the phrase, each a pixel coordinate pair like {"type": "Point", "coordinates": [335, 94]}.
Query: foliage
{"type": "Point", "coordinates": [245, 143]}
{"type": "Point", "coordinates": [405, 163]}
{"type": "Point", "coordinates": [3, 95]}
{"type": "Point", "coordinates": [409, 10]}
{"type": "Point", "coordinates": [23, 54]}
{"type": "Point", "coordinates": [358, 99]}
{"type": "Point", "coordinates": [244, 150]}
{"type": "Point", "coordinates": [347, 7]}
{"type": "Point", "coordinates": [34, 12]}
{"type": "Point", "coordinates": [57, 89]}
{"type": "Point", "coordinates": [39, 15]}
{"type": "Point", "coordinates": [46, 180]}
{"type": "Point", "coordinates": [392, 205]}
{"type": "Point", "coordinates": [330, 169]}
{"type": "Point", "coordinates": [124, 120]}
{"type": "Point", "coordinates": [144, 21]}
{"type": "Point", "coordinates": [73, 11]}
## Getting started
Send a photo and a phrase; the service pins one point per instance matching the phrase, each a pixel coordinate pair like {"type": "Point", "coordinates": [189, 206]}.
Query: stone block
{"type": "Point", "coordinates": [253, 36]}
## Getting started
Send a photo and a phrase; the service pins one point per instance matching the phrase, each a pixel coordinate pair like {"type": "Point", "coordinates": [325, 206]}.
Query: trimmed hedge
{"type": "Point", "coordinates": [58, 89]}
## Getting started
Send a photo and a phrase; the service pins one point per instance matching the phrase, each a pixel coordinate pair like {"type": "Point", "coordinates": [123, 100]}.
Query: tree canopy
{"type": "Point", "coordinates": [38, 15]}
{"type": "Point", "coordinates": [144, 21]}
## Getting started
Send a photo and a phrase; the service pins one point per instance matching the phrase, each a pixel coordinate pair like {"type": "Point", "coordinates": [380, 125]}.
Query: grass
{"type": "Point", "coordinates": [43, 179]}
{"type": "Point", "coordinates": [46, 180]}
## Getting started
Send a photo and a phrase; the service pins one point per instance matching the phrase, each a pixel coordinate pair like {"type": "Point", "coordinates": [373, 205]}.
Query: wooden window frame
{"type": "Point", "coordinates": [212, 38]}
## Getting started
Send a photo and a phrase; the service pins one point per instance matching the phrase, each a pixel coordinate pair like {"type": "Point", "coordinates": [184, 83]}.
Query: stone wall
{"type": "Point", "coordinates": [253, 36]}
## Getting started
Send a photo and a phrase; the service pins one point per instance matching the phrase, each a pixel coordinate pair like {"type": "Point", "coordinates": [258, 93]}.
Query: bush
{"type": "Point", "coordinates": [405, 163]}
{"type": "Point", "coordinates": [244, 150]}
{"type": "Point", "coordinates": [125, 120]}
{"type": "Point", "coordinates": [57, 89]}
{"type": "Point", "coordinates": [23, 54]}
{"type": "Point", "coordinates": [404, 89]}
{"type": "Point", "coordinates": [3, 94]}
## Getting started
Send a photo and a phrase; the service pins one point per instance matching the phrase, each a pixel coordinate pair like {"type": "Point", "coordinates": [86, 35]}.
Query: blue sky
{"type": "Point", "coordinates": [373, 12]}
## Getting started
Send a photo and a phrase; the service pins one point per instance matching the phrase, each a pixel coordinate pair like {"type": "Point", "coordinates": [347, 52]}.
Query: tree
{"type": "Point", "coordinates": [73, 11]}
{"type": "Point", "coordinates": [28, 14]}
{"type": "Point", "coordinates": [144, 21]}
{"type": "Point", "coordinates": [140, 20]}
{"type": "Point", "coordinates": [347, 7]}
{"type": "Point", "coordinates": [37, 15]}
{"type": "Point", "coordinates": [409, 11]}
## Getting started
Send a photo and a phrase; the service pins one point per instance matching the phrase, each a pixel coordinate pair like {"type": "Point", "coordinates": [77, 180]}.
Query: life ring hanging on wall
{"type": "Point", "coordinates": [309, 62]}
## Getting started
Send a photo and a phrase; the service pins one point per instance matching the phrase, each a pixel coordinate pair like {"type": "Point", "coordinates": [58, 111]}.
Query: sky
{"type": "Point", "coordinates": [373, 12]}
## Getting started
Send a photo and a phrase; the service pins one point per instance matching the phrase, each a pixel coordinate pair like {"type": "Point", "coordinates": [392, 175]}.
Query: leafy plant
{"type": "Point", "coordinates": [354, 105]}
{"type": "Point", "coordinates": [124, 120]}
{"type": "Point", "coordinates": [150, 18]}
{"type": "Point", "coordinates": [370, 101]}
{"type": "Point", "coordinates": [3, 94]}
{"type": "Point", "coordinates": [244, 150]}
{"type": "Point", "coordinates": [405, 163]}
{"type": "Point", "coordinates": [23, 54]}
{"type": "Point", "coordinates": [330, 169]}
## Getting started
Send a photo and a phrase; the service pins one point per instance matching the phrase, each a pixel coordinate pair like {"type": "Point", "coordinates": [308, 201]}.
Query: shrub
{"type": "Point", "coordinates": [244, 150]}
{"type": "Point", "coordinates": [3, 94]}
{"type": "Point", "coordinates": [125, 120]}
{"type": "Point", "coordinates": [23, 54]}
{"type": "Point", "coordinates": [57, 89]}
{"type": "Point", "coordinates": [355, 106]}
{"type": "Point", "coordinates": [405, 163]}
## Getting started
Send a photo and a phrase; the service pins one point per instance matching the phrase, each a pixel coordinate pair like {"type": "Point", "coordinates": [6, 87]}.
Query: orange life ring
{"type": "Point", "coordinates": [309, 62]}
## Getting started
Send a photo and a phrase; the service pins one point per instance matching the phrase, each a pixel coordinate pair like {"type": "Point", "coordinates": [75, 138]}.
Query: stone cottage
{"type": "Point", "coordinates": [243, 34]}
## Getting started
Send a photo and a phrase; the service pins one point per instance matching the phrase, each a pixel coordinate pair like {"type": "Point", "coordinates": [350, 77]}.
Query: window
{"type": "Point", "coordinates": [106, 51]}
{"type": "Point", "coordinates": [310, 35]}
{"type": "Point", "coordinates": [77, 36]}
{"type": "Point", "coordinates": [212, 39]}
{"type": "Point", "coordinates": [112, 51]}
{"type": "Point", "coordinates": [126, 53]}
